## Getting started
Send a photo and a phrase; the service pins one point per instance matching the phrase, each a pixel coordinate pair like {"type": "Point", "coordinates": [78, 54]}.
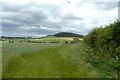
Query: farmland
{"type": "Point", "coordinates": [60, 39]}
{"type": "Point", "coordinates": [54, 61]}
{"type": "Point", "coordinates": [17, 47]}
{"type": "Point", "coordinates": [54, 57]}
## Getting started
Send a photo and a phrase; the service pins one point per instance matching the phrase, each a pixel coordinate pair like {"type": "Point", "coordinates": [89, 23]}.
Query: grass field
{"type": "Point", "coordinates": [17, 47]}
{"type": "Point", "coordinates": [50, 38]}
{"type": "Point", "coordinates": [46, 39]}
{"type": "Point", "coordinates": [55, 61]}
{"type": "Point", "coordinates": [53, 38]}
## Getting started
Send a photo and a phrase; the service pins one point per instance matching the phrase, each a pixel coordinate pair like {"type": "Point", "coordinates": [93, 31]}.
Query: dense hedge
{"type": "Point", "coordinates": [105, 41]}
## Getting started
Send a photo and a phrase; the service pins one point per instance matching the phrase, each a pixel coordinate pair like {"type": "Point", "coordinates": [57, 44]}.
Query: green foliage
{"type": "Point", "coordinates": [105, 40]}
{"type": "Point", "coordinates": [116, 33]}
{"type": "Point", "coordinates": [105, 65]}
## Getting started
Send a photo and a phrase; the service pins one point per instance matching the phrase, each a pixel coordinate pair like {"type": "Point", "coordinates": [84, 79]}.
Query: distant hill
{"type": "Point", "coordinates": [61, 34]}
{"type": "Point", "coordinates": [67, 34]}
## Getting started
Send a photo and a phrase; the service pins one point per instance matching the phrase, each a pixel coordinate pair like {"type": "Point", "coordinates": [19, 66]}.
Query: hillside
{"type": "Point", "coordinates": [67, 34]}
{"type": "Point", "coordinates": [61, 34]}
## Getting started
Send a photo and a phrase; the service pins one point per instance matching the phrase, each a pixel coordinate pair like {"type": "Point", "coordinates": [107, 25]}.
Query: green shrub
{"type": "Point", "coordinates": [105, 40]}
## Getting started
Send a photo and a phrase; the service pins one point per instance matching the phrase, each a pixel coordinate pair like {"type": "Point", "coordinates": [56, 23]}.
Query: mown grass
{"type": "Point", "coordinates": [54, 62]}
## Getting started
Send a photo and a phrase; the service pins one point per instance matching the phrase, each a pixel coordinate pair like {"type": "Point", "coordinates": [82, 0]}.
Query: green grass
{"type": "Point", "coordinates": [53, 62]}
{"type": "Point", "coordinates": [56, 39]}
{"type": "Point", "coordinates": [17, 47]}
{"type": "Point", "coordinates": [45, 39]}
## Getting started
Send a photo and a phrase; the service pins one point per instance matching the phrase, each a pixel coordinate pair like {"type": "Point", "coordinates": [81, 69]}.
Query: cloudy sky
{"type": "Point", "coordinates": [37, 18]}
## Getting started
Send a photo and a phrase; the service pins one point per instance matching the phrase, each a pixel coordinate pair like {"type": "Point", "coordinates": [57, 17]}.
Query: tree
{"type": "Point", "coordinates": [76, 39]}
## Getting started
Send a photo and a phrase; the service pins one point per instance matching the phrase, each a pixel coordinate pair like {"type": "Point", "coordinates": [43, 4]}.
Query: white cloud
{"type": "Point", "coordinates": [78, 16]}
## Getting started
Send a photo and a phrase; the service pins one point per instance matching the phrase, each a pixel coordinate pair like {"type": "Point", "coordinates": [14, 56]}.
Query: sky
{"type": "Point", "coordinates": [36, 18]}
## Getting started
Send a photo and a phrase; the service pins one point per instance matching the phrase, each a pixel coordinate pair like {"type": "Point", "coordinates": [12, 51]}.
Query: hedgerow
{"type": "Point", "coordinates": [105, 45]}
{"type": "Point", "coordinates": [105, 40]}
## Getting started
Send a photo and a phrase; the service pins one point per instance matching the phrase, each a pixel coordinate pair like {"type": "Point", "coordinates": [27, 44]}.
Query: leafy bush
{"type": "Point", "coordinates": [105, 40]}
{"type": "Point", "coordinates": [105, 43]}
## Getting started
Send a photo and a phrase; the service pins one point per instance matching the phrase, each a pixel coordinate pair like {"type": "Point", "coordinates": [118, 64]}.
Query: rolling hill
{"type": "Point", "coordinates": [67, 34]}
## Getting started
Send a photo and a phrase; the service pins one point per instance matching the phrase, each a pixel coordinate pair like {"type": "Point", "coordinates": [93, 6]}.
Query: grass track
{"type": "Point", "coordinates": [54, 62]}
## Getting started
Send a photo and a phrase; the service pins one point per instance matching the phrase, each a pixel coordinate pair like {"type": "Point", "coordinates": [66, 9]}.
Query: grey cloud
{"type": "Point", "coordinates": [106, 5]}
{"type": "Point", "coordinates": [10, 27]}
{"type": "Point", "coordinates": [37, 15]}
{"type": "Point", "coordinates": [28, 16]}
{"type": "Point", "coordinates": [72, 17]}
{"type": "Point", "coordinates": [44, 31]}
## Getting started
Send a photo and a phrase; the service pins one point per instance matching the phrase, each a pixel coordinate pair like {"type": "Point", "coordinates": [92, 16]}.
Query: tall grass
{"type": "Point", "coordinates": [54, 62]}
